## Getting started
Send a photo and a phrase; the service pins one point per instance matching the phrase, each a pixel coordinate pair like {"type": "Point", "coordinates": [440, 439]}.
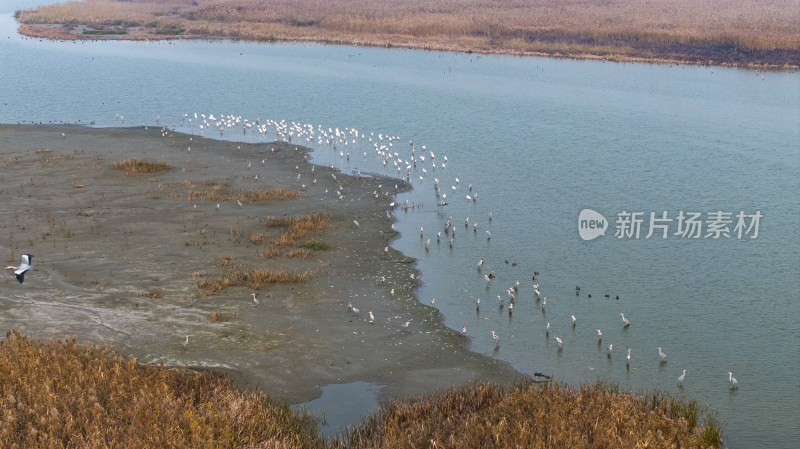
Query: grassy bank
{"type": "Point", "coordinates": [68, 394]}
{"type": "Point", "coordinates": [726, 32]}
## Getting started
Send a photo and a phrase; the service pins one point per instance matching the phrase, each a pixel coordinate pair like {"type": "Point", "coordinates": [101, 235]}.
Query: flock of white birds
{"type": "Point", "coordinates": [412, 164]}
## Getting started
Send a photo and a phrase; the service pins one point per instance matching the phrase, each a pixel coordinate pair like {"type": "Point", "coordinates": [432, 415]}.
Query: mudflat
{"type": "Point", "coordinates": [119, 259]}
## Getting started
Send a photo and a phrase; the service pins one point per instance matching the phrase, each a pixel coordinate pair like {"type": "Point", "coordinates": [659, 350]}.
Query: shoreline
{"type": "Point", "coordinates": [118, 261]}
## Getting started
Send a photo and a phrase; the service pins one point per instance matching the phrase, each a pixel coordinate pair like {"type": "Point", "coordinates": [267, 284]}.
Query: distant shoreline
{"type": "Point", "coordinates": [500, 28]}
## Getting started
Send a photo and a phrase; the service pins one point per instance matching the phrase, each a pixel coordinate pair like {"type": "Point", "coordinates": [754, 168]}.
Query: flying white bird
{"type": "Point", "coordinates": [24, 267]}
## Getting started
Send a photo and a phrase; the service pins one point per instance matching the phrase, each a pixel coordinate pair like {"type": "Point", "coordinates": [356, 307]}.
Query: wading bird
{"type": "Point", "coordinates": [186, 342]}
{"type": "Point", "coordinates": [560, 343]}
{"type": "Point", "coordinates": [255, 299]}
{"type": "Point", "coordinates": [682, 376]}
{"type": "Point", "coordinates": [628, 358]}
{"type": "Point", "coordinates": [732, 380]}
{"type": "Point", "coordinates": [662, 355]}
{"type": "Point", "coordinates": [496, 338]}
{"type": "Point", "coordinates": [625, 320]}
{"type": "Point", "coordinates": [24, 267]}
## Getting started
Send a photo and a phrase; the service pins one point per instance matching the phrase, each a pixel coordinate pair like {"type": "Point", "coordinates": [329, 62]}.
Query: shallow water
{"type": "Point", "coordinates": [539, 140]}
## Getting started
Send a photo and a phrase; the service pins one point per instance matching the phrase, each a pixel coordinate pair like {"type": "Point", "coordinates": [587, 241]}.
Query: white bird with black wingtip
{"type": "Point", "coordinates": [24, 267]}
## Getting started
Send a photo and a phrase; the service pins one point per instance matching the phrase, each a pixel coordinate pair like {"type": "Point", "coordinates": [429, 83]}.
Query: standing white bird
{"type": "Point", "coordinates": [625, 320]}
{"type": "Point", "coordinates": [662, 355]}
{"type": "Point", "coordinates": [628, 361]}
{"type": "Point", "coordinates": [560, 343]}
{"type": "Point", "coordinates": [732, 380]}
{"type": "Point", "coordinates": [371, 317]}
{"type": "Point", "coordinates": [464, 330]}
{"type": "Point", "coordinates": [496, 338]}
{"type": "Point", "coordinates": [356, 223]}
{"type": "Point", "coordinates": [255, 299]}
{"type": "Point", "coordinates": [599, 335]}
{"type": "Point", "coordinates": [573, 320]}
{"type": "Point", "coordinates": [610, 348]}
{"type": "Point", "coordinates": [682, 376]}
{"type": "Point", "coordinates": [186, 342]}
{"type": "Point", "coordinates": [24, 267]}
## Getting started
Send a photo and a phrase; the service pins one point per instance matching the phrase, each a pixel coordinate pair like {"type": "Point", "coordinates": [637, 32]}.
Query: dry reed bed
{"type": "Point", "coordinates": [537, 415]}
{"type": "Point", "coordinates": [65, 394]}
{"type": "Point", "coordinates": [633, 28]}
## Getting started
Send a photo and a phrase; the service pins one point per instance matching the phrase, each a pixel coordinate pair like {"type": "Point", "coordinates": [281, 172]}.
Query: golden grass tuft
{"type": "Point", "coordinates": [136, 166]}
{"type": "Point", "coordinates": [65, 394]}
{"type": "Point", "coordinates": [298, 228]}
{"type": "Point", "coordinates": [216, 191]}
{"type": "Point", "coordinates": [259, 278]}
{"type": "Point", "coordinates": [534, 415]}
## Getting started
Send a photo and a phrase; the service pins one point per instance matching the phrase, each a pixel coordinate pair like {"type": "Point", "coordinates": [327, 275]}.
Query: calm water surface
{"type": "Point", "coordinates": [539, 140]}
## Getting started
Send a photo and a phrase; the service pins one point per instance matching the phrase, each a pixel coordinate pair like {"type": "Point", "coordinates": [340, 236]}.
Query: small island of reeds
{"type": "Point", "coordinates": [62, 393]}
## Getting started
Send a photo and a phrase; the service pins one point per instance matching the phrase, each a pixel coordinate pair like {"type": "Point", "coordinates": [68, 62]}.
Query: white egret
{"type": "Point", "coordinates": [625, 320]}
{"type": "Point", "coordinates": [682, 376]}
{"type": "Point", "coordinates": [560, 343]}
{"type": "Point", "coordinates": [732, 380]}
{"type": "Point", "coordinates": [255, 299]}
{"type": "Point", "coordinates": [496, 338]}
{"type": "Point", "coordinates": [610, 348]}
{"type": "Point", "coordinates": [573, 320]}
{"type": "Point", "coordinates": [628, 362]}
{"type": "Point", "coordinates": [356, 223]}
{"type": "Point", "coordinates": [464, 330]}
{"type": "Point", "coordinates": [599, 334]}
{"type": "Point", "coordinates": [662, 355]}
{"type": "Point", "coordinates": [371, 317]}
{"type": "Point", "coordinates": [186, 342]}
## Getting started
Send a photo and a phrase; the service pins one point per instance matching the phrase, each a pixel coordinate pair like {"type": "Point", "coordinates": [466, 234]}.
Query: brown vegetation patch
{"type": "Point", "coordinates": [136, 166]}
{"type": "Point", "coordinates": [65, 394]}
{"type": "Point", "coordinates": [215, 191]}
{"type": "Point", "coordinates": [537, 415]}
{"type": "Point", "coordinates": [298, 228]}
{"type": "Point", "coordinates": [257, 278]}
